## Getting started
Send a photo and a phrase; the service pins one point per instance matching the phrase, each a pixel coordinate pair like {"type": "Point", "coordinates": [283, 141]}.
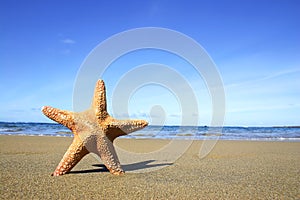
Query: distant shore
{"type": "Point", "coordinates": [286, 126]}
{"type": "Point", "coordinates": [232, 170]}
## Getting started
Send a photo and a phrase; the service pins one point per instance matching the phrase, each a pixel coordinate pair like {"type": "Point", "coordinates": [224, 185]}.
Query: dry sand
{"type": "Point", "coordinates": [233, 170]}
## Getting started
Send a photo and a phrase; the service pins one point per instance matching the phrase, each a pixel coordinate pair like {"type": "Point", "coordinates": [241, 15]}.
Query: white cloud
{"type": "Point", "coordinates": [68, 41]}
{"type": "Point", "coordinates": [265, 78]}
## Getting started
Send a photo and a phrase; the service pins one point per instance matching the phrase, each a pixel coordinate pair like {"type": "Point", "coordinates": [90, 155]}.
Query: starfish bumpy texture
{"type": "Point", "coordinates": [94, 131]}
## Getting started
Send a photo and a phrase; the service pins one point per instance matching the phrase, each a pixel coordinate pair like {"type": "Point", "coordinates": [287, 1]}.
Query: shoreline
{"type": "Point", "coordinates": [232, 170]}
{"type": "Point", "coordinates": [70, 135]}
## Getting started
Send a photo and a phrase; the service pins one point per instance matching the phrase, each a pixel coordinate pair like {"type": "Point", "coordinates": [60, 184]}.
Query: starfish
{"type": "Point", "coordinates": [94, 131]}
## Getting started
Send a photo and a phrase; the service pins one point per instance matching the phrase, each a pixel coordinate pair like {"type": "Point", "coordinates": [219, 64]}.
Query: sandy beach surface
{"type": "Point", "coordinates": [233, 170]}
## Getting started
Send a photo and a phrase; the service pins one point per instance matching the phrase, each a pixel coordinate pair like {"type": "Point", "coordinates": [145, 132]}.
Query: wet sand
{"type": "Point", "coordinates": [232, 170]}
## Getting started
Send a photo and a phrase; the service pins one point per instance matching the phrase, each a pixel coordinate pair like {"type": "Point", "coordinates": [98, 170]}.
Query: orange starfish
{"type": "Point", "coordinates": [94, 131]}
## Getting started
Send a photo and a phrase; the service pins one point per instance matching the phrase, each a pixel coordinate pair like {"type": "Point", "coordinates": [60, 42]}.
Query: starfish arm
{"type": "Point", "coordinates": [107, 153]}
{"type": "Point", "coordinates": [99, 100]}
{"type": "Point", "coordinates": [63, 117]}
{"type": "Point", "coordinates": [117, 128]}
{"type": "Point", "coordinates": [74, 154]}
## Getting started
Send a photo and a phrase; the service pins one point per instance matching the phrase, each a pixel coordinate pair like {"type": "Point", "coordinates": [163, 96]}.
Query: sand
{"type": "Point", "coordinates": [233, 170]}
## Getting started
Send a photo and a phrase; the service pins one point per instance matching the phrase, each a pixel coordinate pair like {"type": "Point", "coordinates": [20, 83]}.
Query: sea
{"type": "Point", "coordinates": [166, 132]}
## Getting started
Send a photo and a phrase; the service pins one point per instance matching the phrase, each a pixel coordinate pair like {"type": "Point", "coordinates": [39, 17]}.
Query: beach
{"type": "Point", "coordinates": [232, 170]}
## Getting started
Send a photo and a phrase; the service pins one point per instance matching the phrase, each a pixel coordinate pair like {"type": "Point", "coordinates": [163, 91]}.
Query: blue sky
{"type": "Point", "coordinates": [254, 43]}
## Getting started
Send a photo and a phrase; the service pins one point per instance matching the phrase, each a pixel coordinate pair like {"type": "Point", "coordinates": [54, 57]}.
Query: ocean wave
{"type": "Point", "coordinates": [166, 132]}
{"type": "Point", "coordinates": [9, 130]}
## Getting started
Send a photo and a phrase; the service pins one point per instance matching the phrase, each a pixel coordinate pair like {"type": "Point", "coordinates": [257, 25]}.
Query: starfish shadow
{"type": "Point", "coordinates": [101, 168]}
{"type": "Point", "coordinates": [128, 167]}
{"type": "Point", "coordinates": [143, 165]}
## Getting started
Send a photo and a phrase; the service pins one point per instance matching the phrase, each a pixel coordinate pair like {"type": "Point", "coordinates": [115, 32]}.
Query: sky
{"type": "Point", "coordinates": [255, 45]}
